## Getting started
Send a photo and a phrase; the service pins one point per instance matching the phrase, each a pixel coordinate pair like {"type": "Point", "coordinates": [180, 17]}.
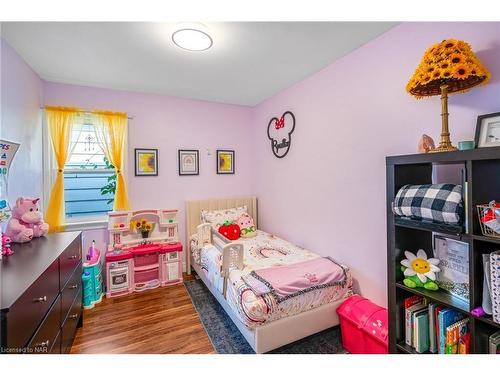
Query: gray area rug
{"type": "Point", "coordinates": [227, 339]}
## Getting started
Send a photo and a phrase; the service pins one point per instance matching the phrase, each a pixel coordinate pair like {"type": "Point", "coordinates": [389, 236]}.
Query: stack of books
{"type": "Point", "coordinates": [430, 327]}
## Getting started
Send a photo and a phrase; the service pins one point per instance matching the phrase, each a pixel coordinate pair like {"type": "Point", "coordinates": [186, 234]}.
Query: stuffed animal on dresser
{"type": "Point", "coordinates": [27, 221]}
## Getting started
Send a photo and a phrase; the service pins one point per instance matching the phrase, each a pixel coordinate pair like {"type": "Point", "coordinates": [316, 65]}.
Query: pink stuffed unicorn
{"type": "Point", "coordinates": [26, 221]}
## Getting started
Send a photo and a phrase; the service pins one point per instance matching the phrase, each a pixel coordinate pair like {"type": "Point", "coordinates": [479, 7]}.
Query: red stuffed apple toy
{"type": "Point", "coordinates": [230, 230]}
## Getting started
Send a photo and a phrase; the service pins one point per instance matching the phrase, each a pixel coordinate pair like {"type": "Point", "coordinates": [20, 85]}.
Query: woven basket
{"type": "Point", "coordinates": [482, 210]}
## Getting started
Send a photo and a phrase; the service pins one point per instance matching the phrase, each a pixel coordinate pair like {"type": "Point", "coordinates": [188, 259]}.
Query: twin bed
{"type": "Point", "coordinates": [266, 321]}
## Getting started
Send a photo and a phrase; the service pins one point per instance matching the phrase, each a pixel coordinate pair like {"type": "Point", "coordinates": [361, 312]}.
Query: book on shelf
{"type": "Point", "coordinates": [412, 304]}
{"type": "Point", "coordinates": [432, 327]}
{"type": "Point", "coordinates": [456, 336]}
{"type": "Point", "coordinates": [421, 330]}
{"type": "Point", "coordinates": [494, 342]}
{"type": "Point", "coordinates": [446, 317]}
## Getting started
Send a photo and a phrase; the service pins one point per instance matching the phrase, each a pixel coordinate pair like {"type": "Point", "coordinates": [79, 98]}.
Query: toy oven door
{"type": "Point", "coordinates": [119, 278]}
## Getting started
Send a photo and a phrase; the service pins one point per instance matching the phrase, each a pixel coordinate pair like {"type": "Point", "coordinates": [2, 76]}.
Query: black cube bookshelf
{"type": "Point", "coordinates": [482, 176]}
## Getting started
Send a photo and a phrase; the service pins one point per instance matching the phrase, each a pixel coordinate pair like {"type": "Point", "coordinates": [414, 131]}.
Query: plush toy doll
{"type": "Point", "coordinates": [420, 271]}
{"type": "Point", "coordinates": [230, 230]}
{"type": "Point", "coordinates": [247, 227]}
{"type": "Point", "coordinates": [26, 221]}
{"type": "Point", "coordinates": [6, 250]}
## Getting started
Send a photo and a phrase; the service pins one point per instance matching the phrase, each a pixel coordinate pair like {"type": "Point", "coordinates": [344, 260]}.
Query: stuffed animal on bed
{"type": "Point", "coordinates": [247, 227]}
{"type": "Point", "coordinates": [419, 271]}
{"type": "Point", "coordinates": [27, 221]}
{"type": "Point", "coordinates": [230, 230]}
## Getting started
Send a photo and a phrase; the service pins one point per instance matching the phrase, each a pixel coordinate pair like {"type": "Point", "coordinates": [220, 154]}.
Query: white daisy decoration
{"type": "Point", "coordinates": [421, 266]}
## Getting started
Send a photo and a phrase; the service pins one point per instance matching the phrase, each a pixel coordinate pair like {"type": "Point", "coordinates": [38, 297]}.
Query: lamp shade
{"type": "Point", "coordinates": [450, 63]}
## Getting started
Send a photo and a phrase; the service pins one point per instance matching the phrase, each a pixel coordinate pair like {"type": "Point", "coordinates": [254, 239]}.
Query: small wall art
{"type": "Point", "coordinates": [189, 162]}
{"type": "Point", "coordinates": [279, 132]}
{"type": "Point", "coordinates": [146, 162]}
{"type": "Point", "coordinates": [225, 162]}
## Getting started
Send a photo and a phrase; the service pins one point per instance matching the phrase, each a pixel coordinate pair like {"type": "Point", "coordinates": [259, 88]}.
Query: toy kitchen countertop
{"type": "Point", "coordinates": [162, 248]}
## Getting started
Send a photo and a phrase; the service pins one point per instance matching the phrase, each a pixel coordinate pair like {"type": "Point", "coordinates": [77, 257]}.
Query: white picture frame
{"type": "Point", "coordinates": [488, 130]}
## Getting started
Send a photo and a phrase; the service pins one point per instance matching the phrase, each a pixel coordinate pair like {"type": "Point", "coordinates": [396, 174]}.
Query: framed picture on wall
{"type": "Point", "coordinates": [146, 162]}
{"type": "Point", "coordinates": [225, 161]}
{"type": "Point", "coordinates": [189, 163]}
{"type": "Point", "coordinates": [488, 130]}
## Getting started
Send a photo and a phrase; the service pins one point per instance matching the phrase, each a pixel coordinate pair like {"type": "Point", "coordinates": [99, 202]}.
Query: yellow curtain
{"type": "Point", "coordinates": [60, 121]}
{"type": "Point", "coordinates": [111, 130]}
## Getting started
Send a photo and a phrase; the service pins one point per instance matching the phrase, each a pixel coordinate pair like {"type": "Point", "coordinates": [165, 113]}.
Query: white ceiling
{"type": "Point", "coordinates": [248, 62]}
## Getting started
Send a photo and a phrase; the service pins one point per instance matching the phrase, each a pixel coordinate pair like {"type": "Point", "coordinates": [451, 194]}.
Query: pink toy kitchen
{"type": "Point", "coordinates": [144, 251]}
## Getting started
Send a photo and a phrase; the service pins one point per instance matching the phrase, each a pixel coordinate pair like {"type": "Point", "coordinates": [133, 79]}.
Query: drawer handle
{"type": "Point", "coordinates": [73, 257]}
{"type": "Point", "coordinates": [43, 344]}
{"type": "Point", "coordinates": [73, 286]}
{"type": "Point", "coordinates": [73, 316]}
{"type": "Point", "coordinates": [41, 299]}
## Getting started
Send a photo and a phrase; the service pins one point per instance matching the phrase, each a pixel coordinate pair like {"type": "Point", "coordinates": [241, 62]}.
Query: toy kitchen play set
{"type": "Point", "coordinates": [144, 251]}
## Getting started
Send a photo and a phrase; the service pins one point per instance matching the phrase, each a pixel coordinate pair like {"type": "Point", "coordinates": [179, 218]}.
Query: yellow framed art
{"type": "Point", "coordinates": [225, 161]}
{"type": "Point", "coordinates": [146, 162]}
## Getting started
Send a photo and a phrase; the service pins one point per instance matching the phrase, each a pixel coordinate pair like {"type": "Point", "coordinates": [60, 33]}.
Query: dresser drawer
{"type": "Point", "coordinates": [70, 291]}
{"type": "Point", "coordinates": [46, 335]}
{"type": "Point", "coordinates": [56, 348]}
{"type": "Point", "coordinates": [28, 311]}
{"type": "Point", "coordinates": [69, 259]}
{"type": "Point", "coordinates": [70, 324]}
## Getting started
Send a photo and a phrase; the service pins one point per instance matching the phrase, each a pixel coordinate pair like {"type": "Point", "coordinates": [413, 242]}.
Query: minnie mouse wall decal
{"type": "Point", "coordinates": [281, 133]}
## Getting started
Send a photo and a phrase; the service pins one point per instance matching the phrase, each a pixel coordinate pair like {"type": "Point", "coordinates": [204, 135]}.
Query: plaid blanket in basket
{"type": "Point", "coordinates": [441, 203]}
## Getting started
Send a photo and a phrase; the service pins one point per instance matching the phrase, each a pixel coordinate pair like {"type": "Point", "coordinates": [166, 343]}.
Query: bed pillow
{"type": "Point", "coordinates": [247, 226]}
{"type": "Point", "coordinates": [219, 217]}
{"type": "Point", "coordinates": [441, 203]}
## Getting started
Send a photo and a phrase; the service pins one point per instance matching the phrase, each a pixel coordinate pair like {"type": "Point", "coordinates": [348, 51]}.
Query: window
{"type": "Point", "coordinates": [89, 179]}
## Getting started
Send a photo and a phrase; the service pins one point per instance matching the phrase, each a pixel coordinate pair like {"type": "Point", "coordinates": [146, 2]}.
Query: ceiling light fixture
{"type": "Point", "coordinates": [192, 39]}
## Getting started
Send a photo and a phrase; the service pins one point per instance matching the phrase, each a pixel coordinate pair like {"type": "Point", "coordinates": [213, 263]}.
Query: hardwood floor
{"type": "Point", "coordinates": [161, 320]}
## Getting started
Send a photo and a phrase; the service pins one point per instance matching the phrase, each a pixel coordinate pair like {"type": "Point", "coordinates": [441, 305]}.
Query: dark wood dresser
{"type": "Point", "coordinates": [41, 295]}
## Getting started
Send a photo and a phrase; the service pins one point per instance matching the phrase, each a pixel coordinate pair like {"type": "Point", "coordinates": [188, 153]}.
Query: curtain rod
{"type": "Point", "coordinates": [89, 112]}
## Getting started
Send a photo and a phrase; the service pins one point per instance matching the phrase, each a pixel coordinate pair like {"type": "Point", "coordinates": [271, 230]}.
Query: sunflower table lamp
{"type": "Point", "coordinates": [447, 67]}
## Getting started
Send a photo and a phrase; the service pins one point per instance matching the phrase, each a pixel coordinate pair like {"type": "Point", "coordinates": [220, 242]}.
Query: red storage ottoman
{"type": "Point", "coordinates": [364, 326]}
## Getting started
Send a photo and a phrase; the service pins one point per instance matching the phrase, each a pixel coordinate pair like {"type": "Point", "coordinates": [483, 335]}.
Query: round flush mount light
{"type": "Point", "coordinates": [192, 39]}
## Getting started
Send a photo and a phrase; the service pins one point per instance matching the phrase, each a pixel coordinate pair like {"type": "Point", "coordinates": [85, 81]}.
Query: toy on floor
{"type": "Point", "coordinates": [27, 221]}
{"type": "Point", "coordinates": [135, 261]}
{"type": "Point", "coordinates": [6, 250]}
{"type": "Point", "coordinates": [419, 271]}
{"type": "Point", "coordinates": [91, 278]}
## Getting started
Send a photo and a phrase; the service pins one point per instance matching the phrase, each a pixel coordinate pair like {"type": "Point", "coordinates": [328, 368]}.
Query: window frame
{"type": "Point", "coordinates": [49, 176]}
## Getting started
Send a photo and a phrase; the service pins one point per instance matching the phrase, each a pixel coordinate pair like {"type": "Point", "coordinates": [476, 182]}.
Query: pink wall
{"type": "Point", "coordinates": [328, 193]}
{"type": "Point", "coordinates": [21, 97]}
{"type": "Point", "coordinates": [169, 124]}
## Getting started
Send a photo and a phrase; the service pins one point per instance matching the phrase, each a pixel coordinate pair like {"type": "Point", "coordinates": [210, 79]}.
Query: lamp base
{"type": "Point", "coordinates": [445, 143]}
{"type": "Point", "coordinates": [443, 148]}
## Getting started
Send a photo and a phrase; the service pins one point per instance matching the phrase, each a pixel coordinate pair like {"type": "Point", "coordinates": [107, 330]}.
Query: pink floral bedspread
{"type": "Point", "coordinates": [260, 252]}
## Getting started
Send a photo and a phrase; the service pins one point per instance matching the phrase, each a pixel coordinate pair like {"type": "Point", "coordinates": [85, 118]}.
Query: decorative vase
{"type": "Point", "coordinates": [145, 233]}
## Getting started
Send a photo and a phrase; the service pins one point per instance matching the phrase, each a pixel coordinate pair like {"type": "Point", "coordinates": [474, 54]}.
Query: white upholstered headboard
{"type": "Point", "coordinates": [194, 208]}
